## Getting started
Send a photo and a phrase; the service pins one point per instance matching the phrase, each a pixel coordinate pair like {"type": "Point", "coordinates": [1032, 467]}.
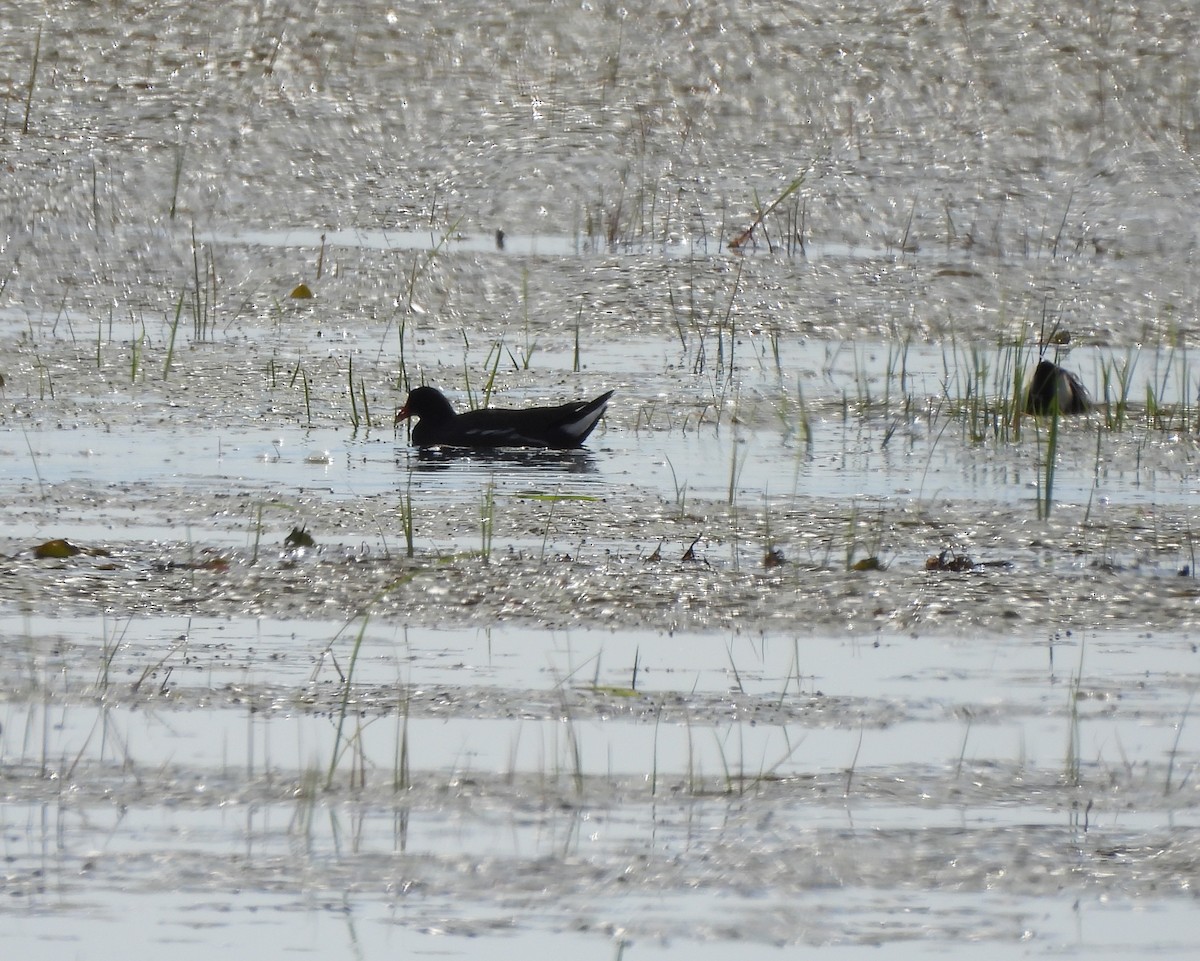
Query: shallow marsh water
{"type": "Point", "coordinates": [551, 728]}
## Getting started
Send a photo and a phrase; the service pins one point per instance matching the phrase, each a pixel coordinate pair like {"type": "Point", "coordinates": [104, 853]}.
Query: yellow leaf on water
{"type": "Point", "coordinates": [302, 292]}
{"type": "Point", "coordinates": [57, 548]}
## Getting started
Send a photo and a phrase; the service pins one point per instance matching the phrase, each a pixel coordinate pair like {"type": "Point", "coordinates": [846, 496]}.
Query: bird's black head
{"type": "Point", "coordinates": [427, 402]}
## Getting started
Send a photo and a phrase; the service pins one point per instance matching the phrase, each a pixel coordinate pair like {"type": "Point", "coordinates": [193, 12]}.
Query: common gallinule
{"type": "Point", "coordinates": [561, 427]}
{"type": "Point", "coordinates": [1051, 386]}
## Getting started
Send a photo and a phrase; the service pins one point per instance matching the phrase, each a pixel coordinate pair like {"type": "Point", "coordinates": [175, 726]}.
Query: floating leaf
{"type": "Point", "coordinates": [302, 292]}
{"type": "Point", "coordinates": [57, 548]}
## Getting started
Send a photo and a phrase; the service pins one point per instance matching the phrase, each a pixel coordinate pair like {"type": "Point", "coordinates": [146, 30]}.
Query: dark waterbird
{"type": "Point", "coordinates": [1051, 387]}
{"type": "Point", "coordinates": [560, 428]}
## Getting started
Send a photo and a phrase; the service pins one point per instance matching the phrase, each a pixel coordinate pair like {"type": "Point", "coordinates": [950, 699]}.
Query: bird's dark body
{"type": "Point", "coordinates": [1053, 386]}
{"type": "Point", "coordinates": [560, 428]}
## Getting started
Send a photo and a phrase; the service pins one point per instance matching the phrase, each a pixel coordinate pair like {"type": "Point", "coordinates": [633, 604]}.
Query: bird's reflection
{"type": "Point", "coordinates": [435, 459]}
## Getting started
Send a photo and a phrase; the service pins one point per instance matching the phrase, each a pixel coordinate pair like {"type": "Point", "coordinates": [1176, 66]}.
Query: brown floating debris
{"type": "Point", "coordinates": [949, 561]}
{"type": "Point", "coordinates": [58, 548]}
{"type": "Point", "coordinates": [868, 564]}
{"type": "Point", "coordinates": [299, 537]}
{"type": "Point", "coordinates": [774, 557]}
{"type": "Point", "coordinates": [61, 548]}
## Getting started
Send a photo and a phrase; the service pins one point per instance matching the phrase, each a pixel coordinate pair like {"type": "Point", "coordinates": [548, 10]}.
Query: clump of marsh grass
{"type": "Point", "coordinates": [177, 172]}
{"type": "Point", "coordinates": [298, 372]}
{"type": "Point", "coordinates": [566, 715]}
{"type": "Point", "coordinates": [204, 292]}
{"type": "Point", "coordinates": [108, 651]}
{"type": "Point", "coordinates": [531, 343]}
{"type": "Point", "coordinates": [982, 390]}
{"type": "Point", "coordinates": [401, 775]}
{"type": "Point", "coordinates": [343, 741]}
{"type": "Point", "coordinates": [1072, 766]}
{"type": "Point", "coordinates": [699, 319]}
{"type": "Point", "coordinates": [962, 752]}
{"type": "Point", "coordinates": [491, 364]}
{"type": "Point", "coordinates": [487, 521]}
{"type": "Point", "coordinates": [406, 517]}
{"type": "Point", "coordinates": [171, 341]}
{"type": "Point", "coordinates": [137, 344]}
{"type": "Point", "coordinates": [407, 306]}
{"type": "Point", "coordinates": [746, 237]}
{"type": "Point", "coordinates": [29, 87]}
{"type": "Point", "coordinates": [258, 532]}
{"type": "Point", "coordinates": [355, 418]}
{"type": "Point", "coordinates": [680, 489]}
{"type": "Point", "coordinates": [801, 422]}
{"type": "Point", "coordinates": [1116, 379]}
{"type": "Point", "coordinates": [37, 473]}
{"type": "Point", "coordinates": [896, 370]}
{"type": "Point", "coordinates": [871, 547]}
{"type": "Point", "coordinates": [1175, 748]}
{"type": "Point", "coordinates": [151, 671]}
{"type": "Point", "coordinates": [1049, 460]}
{"type": "Point", "coordinates": [575, 364]}
{"type": "Point", "coordinates": [854, 761]}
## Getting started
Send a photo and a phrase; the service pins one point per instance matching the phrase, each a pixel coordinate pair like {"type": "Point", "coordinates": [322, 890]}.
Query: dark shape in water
{"type": "Point", "coordinates": [560, 428]}
{"type": "Point", "coordinates": [1052, 385]}
{"type": "Point", "coordinates": [432, 460]}
{"type": "Point", "coordinates": [947, 560]}
{"type": "Point", "coordinates": [299, 538]}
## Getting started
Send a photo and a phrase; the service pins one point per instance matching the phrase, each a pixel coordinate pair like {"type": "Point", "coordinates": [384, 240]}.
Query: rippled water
{"type": "Point", "coordinates": [577, 706]}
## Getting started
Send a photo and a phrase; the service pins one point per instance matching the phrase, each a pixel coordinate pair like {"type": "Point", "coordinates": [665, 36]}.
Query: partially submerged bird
{"type": "Point", "coordinates": [560, 428]}
{"type": "Point", "coordinates": [1052, 387]}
